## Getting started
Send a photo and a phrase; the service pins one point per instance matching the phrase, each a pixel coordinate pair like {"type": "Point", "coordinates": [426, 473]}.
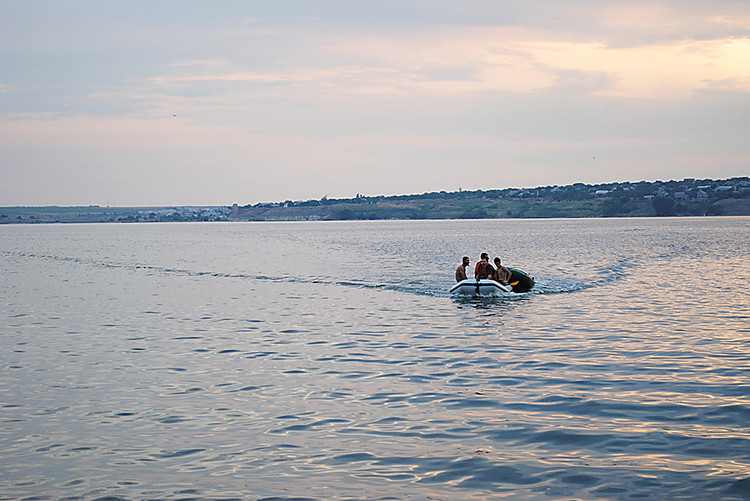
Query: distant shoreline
{"type": "Point", "coordinates": [689, 197]}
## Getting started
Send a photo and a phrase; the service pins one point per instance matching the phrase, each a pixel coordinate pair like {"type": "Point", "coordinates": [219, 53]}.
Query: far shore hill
{"type": "Point", "coordinates": [689, 197]}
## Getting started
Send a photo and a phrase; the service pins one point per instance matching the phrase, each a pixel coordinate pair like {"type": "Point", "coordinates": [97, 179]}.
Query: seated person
{"type": "Point", "coordinates": [491, 273]}
{"type": "Point", "coordinates": [461, 270]}
{"type": "Point", "coordinates": [503, 273]}
{"type": "Point", "coordinates": [480, 271]}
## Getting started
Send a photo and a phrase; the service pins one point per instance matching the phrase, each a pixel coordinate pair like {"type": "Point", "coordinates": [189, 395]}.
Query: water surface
{"type": "Point", "coordinates": [327, 361]}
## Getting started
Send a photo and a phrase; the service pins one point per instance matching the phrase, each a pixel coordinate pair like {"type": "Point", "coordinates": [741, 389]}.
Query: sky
{"type": "Point", "coordinates": [184, 102]}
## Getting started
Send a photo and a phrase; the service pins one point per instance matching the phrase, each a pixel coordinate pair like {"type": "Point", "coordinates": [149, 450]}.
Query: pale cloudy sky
{"type": "Point", "coordinates": [149, 102]}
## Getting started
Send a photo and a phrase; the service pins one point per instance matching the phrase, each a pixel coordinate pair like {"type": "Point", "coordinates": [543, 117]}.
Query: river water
{"type": "Point", "coordinates": [325, 360]}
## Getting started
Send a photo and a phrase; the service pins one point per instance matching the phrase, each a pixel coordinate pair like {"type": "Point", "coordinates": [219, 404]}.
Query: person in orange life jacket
{"type": "Point", "coordinates": [483, 268]}
{"type": "Point", "coordinates": [461, 270]}
{"type": "Point", "coordinates": [503, 273]}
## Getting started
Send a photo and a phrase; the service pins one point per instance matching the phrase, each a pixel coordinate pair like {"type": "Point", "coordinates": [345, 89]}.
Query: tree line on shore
{"type": "Point", "coordinates": [689, 197]}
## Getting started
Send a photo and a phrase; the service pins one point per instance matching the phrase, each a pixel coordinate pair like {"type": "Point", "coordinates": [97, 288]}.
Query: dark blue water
{"type": "Point", "coordinates": [327, 361]}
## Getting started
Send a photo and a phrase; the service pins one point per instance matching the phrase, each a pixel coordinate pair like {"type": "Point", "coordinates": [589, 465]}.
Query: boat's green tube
{"type": "Point", "coordinates": [520, 281]}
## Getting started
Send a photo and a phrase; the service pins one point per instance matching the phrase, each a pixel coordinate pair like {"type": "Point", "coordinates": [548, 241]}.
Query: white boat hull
{"type": "Point", "coordinates": [482, 287]}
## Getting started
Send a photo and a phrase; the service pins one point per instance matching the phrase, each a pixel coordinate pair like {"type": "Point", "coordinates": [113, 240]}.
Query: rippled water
{"type": "Point", "coordinates": [327, 361]}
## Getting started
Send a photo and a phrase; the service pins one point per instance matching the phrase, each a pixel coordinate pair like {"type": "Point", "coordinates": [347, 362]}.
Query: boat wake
{"type": "Point", "coordinates": [411, 285]}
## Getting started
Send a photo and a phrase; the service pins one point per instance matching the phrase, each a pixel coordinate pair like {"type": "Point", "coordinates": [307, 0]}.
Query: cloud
{"type": "Point", "coordinates": [346, 97]}
{"type": "Point", "coordinates": [34, 131]}
{"type": "Point", "coordinates": [466, 60]}
{"type": "Point", "coordinates": [671, 71]}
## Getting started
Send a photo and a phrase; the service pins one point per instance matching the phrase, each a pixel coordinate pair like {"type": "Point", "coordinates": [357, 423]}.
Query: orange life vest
{"type": "Point", "coordinates": [481, 270]}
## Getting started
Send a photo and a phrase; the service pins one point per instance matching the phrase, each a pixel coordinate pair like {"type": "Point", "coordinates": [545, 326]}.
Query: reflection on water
{"type": "Point", "coordinates": [263, 360]}
{"type": "Point", "coordinates": [491, 305]}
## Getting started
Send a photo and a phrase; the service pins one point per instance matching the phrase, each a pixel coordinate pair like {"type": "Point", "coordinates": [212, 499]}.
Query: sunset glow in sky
{"type": "Point", "coordinates": [201, 103]}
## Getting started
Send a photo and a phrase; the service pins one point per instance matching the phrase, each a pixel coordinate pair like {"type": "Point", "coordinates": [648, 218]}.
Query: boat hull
{"type": "Point", "coordinates": [484, 287]}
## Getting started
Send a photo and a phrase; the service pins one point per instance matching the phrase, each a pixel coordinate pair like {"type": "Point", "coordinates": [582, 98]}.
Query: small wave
{"type": "Point", "coordinates": [153, 268]}
{"type": "Point", "coordinates": [556, 285]}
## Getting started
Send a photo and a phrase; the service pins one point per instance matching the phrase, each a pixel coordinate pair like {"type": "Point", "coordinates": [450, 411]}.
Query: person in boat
{"type": "Point", "coordinates": [503, 273]}
{"type": "Point", "coordinates": [483, 269]}
{"type": "Point", "coordinates": [492, 273]}
{"type": "Point", "coordinates": [461, 270]}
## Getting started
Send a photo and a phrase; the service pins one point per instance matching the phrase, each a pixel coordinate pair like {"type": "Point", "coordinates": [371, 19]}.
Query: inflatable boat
{"type": "Point", "coordinates": [483, 287]}
{"type": "Point", "coordinates": [519, 282]}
